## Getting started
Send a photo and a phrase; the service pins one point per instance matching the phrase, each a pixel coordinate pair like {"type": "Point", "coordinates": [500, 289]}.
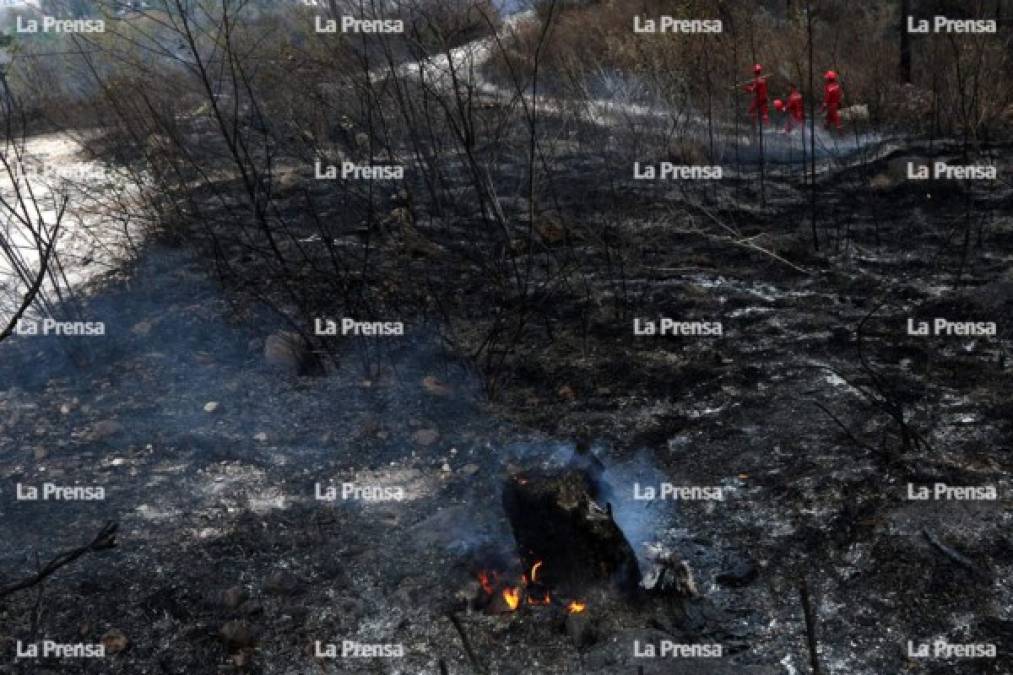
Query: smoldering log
{"type": "Point", "coordinates": [555, 520]}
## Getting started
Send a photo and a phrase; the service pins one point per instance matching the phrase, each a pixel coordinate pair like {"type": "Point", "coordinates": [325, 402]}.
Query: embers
{"type": "Point", "coordinates": [499, 595]}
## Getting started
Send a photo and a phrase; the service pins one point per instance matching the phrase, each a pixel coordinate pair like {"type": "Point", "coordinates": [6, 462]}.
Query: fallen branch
{"type": "Point", "coordinates": [36, 286]}
{"type": "Point", "coordinates": [843, 428]}
{"type": "Point", "coordinates": [479, 668]}
{"type": "Point", "coordinates": [759, 249]}
{"type": "Point", "coordinates": [810, 626]}
{"type": "Point", "coordinates": [736, 238]}
{"type": "Point", "coordinates": [956, 557]}
{"type": "Point", "coordinates": [104, 540]}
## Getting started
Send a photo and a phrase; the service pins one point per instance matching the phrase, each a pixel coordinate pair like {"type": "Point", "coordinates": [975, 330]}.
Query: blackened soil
{"type": "Point", "coordinates": [814, 410]}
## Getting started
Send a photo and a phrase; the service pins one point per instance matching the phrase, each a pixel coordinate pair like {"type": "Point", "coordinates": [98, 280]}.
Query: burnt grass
{"type": "Point", "coordinates": [773, 408]}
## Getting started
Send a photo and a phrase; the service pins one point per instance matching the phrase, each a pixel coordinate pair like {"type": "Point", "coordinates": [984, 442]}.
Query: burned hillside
{"type": "Point", "coordinates": [455, 336]}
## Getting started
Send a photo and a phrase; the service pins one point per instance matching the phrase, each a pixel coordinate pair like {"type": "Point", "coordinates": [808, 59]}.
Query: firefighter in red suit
{"type": "Point", "coordinates": [832, 96]}
{"type": "Point", "coordinates": [758, 88]}
{"type": "Point", "coordinates": [796, 110]}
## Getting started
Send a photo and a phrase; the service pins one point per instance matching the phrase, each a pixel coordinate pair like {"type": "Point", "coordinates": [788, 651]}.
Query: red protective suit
{"type": "Point", "coordinates": [758, 88]}
{"type": "Point", "coordinates": [832, 97]}
{"type": "Point", "coordinates": [796, 110]}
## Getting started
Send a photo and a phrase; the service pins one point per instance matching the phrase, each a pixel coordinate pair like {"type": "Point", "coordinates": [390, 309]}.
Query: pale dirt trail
{"type": "Point", "coordinates": [96, 231]}
{"type": "Point", "coordinates": [463, 66]}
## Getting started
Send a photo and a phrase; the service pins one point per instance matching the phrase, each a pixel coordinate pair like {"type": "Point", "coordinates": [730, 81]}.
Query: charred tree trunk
{"type": "Point", "coordinates": [812, 126]}
{"type": "Point", "coordinates": [905, 43]}
{"type": "Point", "coordinates": [556, 521]}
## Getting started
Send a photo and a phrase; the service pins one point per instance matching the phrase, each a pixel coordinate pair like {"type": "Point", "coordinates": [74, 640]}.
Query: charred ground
{"type": "Point", "coordinates": [819, 493]}
{"type": "Point", "coordinates": [519, 252]}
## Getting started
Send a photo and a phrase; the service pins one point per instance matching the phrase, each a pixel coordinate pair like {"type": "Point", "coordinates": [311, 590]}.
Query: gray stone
{"type": "Point", "coordinates": [289, 352]}
{"type": "Point", "coordinates": [426, 437]}
{"type": "Point", "coordinates": [233, 597]}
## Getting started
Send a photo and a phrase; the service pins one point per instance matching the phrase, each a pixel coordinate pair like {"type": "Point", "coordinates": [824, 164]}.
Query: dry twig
{"type": "Point", "coordinates": [104, 540]}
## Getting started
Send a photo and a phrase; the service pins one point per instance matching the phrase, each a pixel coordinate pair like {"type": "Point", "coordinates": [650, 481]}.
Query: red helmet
{"type": "Point", "coordinates": [778, 104]}
{"type": "Point", "coordinates": [757, 69]}
{"type": "Point", "coordinates": [830, 76]}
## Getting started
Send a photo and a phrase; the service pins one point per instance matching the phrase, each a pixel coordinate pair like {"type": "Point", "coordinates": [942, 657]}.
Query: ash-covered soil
{"type": "Point", "coordinates": [814, 411]}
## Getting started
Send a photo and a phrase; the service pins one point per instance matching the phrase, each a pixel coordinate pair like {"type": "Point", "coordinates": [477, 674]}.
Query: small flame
{"type": "Point", "coordinates": [512, 596]}
{"type": "Point", "coordinates": [576, 607]}
{"type": "Point", "coordinates": [488, 581]}
{"type": "Point", "coordinates": [544, 600]}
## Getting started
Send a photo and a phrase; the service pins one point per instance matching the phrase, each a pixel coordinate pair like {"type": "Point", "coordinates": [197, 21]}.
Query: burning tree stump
{"type": "Point", "coordinates": [556, 522]}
